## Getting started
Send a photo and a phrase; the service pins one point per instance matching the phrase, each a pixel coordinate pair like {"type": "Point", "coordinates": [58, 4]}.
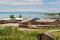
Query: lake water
{"type": "Point", "coordinates": [25, 15]}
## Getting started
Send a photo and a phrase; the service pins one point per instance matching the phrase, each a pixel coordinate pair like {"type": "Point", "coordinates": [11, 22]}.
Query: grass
{"type": "Point", "coordinates": [57, 35]}
{"type": "Point", "coordinates": [9, 33]}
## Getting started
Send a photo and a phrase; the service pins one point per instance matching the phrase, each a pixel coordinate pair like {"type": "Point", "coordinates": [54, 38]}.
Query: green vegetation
{"type": "Point", "coordinates": [11, 16]}
{"type": "Point", "coordinates": [12, 33]}
{"type": "Point", "coordinates": [20, 16]}
{"type": "Point", "coordinates": [57, 35]}
{"type": "Point", "coordinates": [54, 14]}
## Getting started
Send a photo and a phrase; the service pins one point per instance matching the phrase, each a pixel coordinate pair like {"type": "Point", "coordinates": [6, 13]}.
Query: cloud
{"type": "Point", "coordinates": [36, 10]}
{"type": "Point", "coordinates": [34, 0]}
{"type": "Point", "coordinates": [55, 10]}
{"type": "Point", "coordinates": [31, 10]}
{"type": "Point", "coordinates": [56, 2]}
{"type": "Point", "coordinates": [26, 2]}
{"type": "Point", "coordinates": [23, 0]}
{"type": "Point", "coordinates": [20, 10]}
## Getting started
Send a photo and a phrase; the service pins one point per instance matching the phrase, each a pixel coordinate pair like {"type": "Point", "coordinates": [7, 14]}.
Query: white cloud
{"type": "Point", "coordinates": [21, 10]}
{"type": "Point", "coordinates": [56, 2]}
{"type": "Point", "coordinates": [1, 1]}
{"type": "Point", "coordinates": [34, 0]}
{"type": "Point", "coordinates": [27, 2]}
{"type": "Point", "coordinates": [52, 10]}
{"type": "Point", "coordinates": [31, 10]}
{"type": "Point", "coordinates": [22, 0]}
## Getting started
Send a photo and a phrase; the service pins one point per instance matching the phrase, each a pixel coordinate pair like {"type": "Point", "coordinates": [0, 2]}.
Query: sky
{"type": "Point", "coordinates": [50, 6]}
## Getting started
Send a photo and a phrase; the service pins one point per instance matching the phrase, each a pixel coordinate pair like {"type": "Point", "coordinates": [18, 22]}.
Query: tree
{"type": "Point", "coordinates": [11, 16]}
{"type": "Point", "coordinates": [59, 14]}
{"type": "Point", "coordinates": [20, 16]}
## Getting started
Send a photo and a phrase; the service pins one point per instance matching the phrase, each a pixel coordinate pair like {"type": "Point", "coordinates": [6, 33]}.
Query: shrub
{"type": "Point", "coordinates": [11, 16]}
{"type": "Point", "coordinates": [20, 16]}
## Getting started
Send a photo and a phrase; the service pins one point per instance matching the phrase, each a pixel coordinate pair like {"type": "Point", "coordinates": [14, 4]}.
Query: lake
{"type": "Point", "coordinates": [25, 15]}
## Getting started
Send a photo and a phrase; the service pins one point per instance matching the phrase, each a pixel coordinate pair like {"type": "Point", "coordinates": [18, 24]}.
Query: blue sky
{"type": "Point", "coordinates": [30, 6]}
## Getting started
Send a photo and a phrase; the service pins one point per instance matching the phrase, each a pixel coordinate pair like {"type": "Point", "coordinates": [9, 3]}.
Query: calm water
{"type": "Point", "coordinates": [25, 16]}
{"type": "Point", "coordinates": [4, 15]}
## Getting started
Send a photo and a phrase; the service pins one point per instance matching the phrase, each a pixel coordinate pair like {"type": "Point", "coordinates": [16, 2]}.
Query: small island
{"type": "Point", "coordinates": [53, 14]}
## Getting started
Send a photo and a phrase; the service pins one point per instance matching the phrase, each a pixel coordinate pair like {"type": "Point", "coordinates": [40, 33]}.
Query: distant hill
{"type": "Point", "coordinates": [23, 13]}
